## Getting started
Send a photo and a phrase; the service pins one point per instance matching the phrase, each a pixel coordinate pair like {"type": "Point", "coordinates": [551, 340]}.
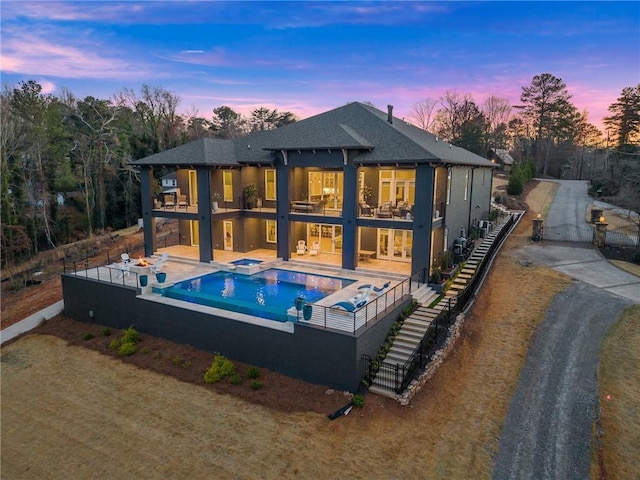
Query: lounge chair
{"type": "Point", "coordinates": [301, 248]}
{"type": "Point", "coordinates": [125, 258]}
{"type": "Point", "coordinates": [182, 201]}
{"type": "Point", "coordinates": [366, 210]}
{"type": "Point", "coordinates": [348, 306]}
{"type": "Point", "coordinates": [124, 270]}
{"type": "Point", "coordinates": [374, 288]}
{"type": "Point", "coordinates": [315, 249]}
{"type": "Point", "coordinates": [159, 264]}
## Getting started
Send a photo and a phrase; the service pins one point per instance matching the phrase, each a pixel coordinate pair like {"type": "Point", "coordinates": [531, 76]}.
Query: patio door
{"type": "Point", "coordinates": [227, 227]}
{"type": "Point", "coordinates": [329, 237]}
{"type": "Point", "coordinates": [394, 244]}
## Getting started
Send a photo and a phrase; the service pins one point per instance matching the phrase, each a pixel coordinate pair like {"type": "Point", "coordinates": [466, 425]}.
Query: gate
{"type": "Point", "coordinates": [569, 233]}
{"type": "Point", "coordinates": [623, 237]}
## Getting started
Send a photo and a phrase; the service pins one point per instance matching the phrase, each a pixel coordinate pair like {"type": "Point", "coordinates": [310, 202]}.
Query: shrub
{"type": "Point", "coordinates": [157, 354]}
{"type": "Point", "coordinates": [219, 369]}
{"type": "Point", "coordinates": [636, 258]}
{"type": "Point", "coordinates": [516, 183]}
{"type": "Point", "coordinates": [358, 401]}
{"type": "Point", "coordinates": [106, 332]}
{"type": "Point", "coordinates": [177, 360]}
{"type": "Point", "coordinates": [253, 373]}
{"type": "Point", "coordinates": [127, 348]}
{"type": "Point", "coordinates": [88, 336]}
{"type": "Point", "coordinates": [130, 335]}
{"type": "Point", "coordinates": [256, 385]}
{"type": "Point", "coordinates": [114, 344]}
{"type": "Point", "coordinates": [235, 379]}
{"type": "Point", "coordinates": [144, 350]}
{"type": "Point", "coordinates": [186, 364]}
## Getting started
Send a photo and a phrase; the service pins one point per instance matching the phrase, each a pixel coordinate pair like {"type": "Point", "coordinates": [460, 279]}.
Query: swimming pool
{"type": "Point", "coordinates": [267, 294]}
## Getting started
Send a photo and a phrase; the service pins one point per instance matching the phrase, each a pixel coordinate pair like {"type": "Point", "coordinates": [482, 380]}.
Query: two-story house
{"type": "Point", "coordinates": [364, 188]}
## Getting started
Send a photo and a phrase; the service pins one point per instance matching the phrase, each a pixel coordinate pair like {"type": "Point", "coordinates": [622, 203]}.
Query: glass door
{"type": "Point", "coordinates": [395, 244]}
{"type": "Point", "coordinates": [228, 235]}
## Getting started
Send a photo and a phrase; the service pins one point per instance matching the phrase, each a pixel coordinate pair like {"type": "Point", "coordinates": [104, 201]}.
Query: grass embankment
{"type": "Point", "coordinates": [619, 394]}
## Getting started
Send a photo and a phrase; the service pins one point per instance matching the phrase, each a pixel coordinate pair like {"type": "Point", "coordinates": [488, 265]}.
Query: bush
{"type": "Point", "coordinates": [88, 336]}
{"type": "Point", "coordinates": [219, 369]}
{"type": "Point", "coordinates": [127, 349]}
{"type": "Point", "coordinates": [177, 360]}
{"type": "Point", "coordinates": [106, 332]}
{"type": "Point", "coordinates": [253, 373]}
{"type": "Point", "coordinates": [114, 344]}
{"type": "Point", "coordinates": [516, 183]}
{"type": "Point", "coordinates": [256, 385]}
{"type": "Point", "coordinates": [235, 379]}
{"type": "Point", "coordinates": [130, 335]}
{"type": "Point", "coordinates": [358, 401]}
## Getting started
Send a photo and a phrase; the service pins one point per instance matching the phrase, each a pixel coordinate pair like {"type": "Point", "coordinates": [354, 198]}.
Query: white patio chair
{"type": "Point", "coordinates": [301, 248]}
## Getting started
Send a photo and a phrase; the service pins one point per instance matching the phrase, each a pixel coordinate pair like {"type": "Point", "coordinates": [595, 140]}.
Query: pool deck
{"type": "Point", "coordinates": [180, 269]}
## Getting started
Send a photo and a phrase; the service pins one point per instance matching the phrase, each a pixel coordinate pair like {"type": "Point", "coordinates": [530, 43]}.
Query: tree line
{"type": "Point", "coordinates": [65, 172]}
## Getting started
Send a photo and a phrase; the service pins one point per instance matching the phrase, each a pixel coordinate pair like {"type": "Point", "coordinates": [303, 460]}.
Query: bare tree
{"type": "Point", "coordinates": [423, 113]}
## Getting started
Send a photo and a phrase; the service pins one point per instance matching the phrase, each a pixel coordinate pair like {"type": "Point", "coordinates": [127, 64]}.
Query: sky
{"type": "Point", "coordinates": [309, 57]}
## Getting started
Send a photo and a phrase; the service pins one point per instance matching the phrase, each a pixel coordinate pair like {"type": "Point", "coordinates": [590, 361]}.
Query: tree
{"type": "Point", "coordinates": [497, 113]}
{"type": "Point", "coordinates": [264, 119]}
{"type": "Point", "coordinates": [546, 104]}
{"type": "Point", "coordinates": [460, 122]}
{"type": "Point", "coordinates": [625, 121]}
{"type": "Point", "coordinates": [423, 113]}
{"type": "Point", "coordinates": [227, 123]}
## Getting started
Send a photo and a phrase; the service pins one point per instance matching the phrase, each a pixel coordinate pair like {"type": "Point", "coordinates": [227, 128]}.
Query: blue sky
{"type": "Point", "coordinates": [308, 57]}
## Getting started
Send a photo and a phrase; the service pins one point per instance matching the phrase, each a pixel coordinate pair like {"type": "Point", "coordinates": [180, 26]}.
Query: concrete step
{"type": "Point", "coordinates": [407, 336]}
{"type": "Point", "coordinates": [397, 357]}
{"type": "Point", "coordinates": [401, 351]}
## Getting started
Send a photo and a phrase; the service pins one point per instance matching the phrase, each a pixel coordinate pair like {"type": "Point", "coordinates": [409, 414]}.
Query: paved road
{"type": "Point", "coordinates": [548, 427]}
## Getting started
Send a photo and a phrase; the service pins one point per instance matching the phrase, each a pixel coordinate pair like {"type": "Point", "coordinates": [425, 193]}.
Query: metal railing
{"type": "Point", "coordinates": [336, 318]}
{"type": "Point", "coordinates": [109, 272]}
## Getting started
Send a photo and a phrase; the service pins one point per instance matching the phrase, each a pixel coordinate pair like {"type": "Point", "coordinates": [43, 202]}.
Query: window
{"type": "Point", "coordinates": [466, 183]}
{"type": "Point", "coordinates": [448, 186]}
{"type": "Point", "coordinates": [228, 186]}
{"type": "Point", "coordinates": [270, 184]}
{"type": "Point", "coordinates": [271, 231]}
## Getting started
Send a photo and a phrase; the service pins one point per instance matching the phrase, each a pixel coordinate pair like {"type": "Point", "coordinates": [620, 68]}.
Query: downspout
{"type": "Point", "coordinates": [473, 170]}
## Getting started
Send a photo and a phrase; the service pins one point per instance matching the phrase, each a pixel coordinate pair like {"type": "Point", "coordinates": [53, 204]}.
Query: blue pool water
{"type": "Point", "coordinates": [267, 294]}
{"type": "Point", "coordinates": [246, 261]}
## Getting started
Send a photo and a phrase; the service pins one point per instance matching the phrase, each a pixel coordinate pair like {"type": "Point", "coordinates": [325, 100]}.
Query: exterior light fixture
{"type": "Point", "coordinates": [601, 219]}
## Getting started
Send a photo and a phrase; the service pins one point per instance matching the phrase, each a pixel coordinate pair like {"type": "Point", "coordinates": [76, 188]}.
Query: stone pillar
{"type": "Point", "coordinates": [596, 213]}
{"type": "Point", "coordinates": [600, 233]}
{"type": "Point", "coordinates": [538, 229]}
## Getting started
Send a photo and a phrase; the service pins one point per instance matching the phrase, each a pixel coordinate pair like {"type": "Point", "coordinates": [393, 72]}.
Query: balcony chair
{"type": "Point", "coordinates": [385, 210]}
{"type": "Point", "coordinates": [315, 249]}
{"type": "Point", "coordinates": [182, 201]}
{"type": "Point", "coordinates": [301, 248]}
{"type": "Point", "coordinates": [366, 210]}
{"type": "Point", "coordinates": [169, 201]}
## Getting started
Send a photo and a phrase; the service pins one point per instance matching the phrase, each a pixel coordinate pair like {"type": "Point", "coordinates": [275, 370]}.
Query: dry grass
{"type": "Point", "coordinates": [72, 412]}
{"type": "Point", "coordinates": [619, 392]}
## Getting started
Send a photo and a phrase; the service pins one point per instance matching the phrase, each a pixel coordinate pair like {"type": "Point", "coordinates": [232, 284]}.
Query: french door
{"type": "Point", "coordinates": [329, 237]}
{"type": "Point", "coordinates": [227, 226]}
{"type": "Point", "coordinates": [395, 244]}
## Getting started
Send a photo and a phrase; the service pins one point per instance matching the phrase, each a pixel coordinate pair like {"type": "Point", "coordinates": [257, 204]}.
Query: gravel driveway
{"type": "Point", "coordinates": [547, 432]}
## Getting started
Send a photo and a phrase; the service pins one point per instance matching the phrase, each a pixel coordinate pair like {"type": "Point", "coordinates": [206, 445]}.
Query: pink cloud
{"type": "Point", "coordinates": [27, 53]}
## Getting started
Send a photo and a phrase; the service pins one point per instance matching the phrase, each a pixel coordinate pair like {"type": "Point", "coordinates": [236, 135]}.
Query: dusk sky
{"type": "Point", "coordinates": [308, 57]}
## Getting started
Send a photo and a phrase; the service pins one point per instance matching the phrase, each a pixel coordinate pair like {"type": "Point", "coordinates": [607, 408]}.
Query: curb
{"type": "Point", "coordinates": [31, 322]}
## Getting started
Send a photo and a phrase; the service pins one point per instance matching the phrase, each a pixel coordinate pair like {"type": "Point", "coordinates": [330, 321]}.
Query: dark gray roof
{"type": "Point", "coordinates": [205, 151]}
{"type": "Point", "coordinates": [354, 126]}
{"type": "Point", "coordinates": [361, 127]}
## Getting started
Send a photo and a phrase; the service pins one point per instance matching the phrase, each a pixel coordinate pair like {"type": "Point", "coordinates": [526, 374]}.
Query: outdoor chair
{"type": "Point", "coordinates": [169, 202]}
{"type": "Point", "coordinates": [182, 201]}
{"type": "Point", "coordinates": [385, 210]}
{"type": "Point", "coordinates": [366, 210]}
{"type": "Point", "coordinates": [301, 248]}
{"type": "Point", "coordinates": [315, 249]}
{"type": "Point", "coordinates": [125, 258]}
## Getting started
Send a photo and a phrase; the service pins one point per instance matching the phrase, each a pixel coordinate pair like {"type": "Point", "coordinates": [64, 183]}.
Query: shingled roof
{"type": "Point", "coordinates": [354, 126]}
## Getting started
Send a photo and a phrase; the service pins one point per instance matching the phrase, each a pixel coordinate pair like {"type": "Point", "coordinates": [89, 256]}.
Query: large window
{"type": "Point", "coordinates": [270, 184]}
{"type": "Point", "coordinates": [397, 186]}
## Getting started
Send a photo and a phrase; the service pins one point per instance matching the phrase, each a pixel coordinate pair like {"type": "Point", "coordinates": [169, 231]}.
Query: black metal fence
{"type": "Point", "coordinates": [624, 237]}
{"type": "Point", "coordinates": [396, 377]}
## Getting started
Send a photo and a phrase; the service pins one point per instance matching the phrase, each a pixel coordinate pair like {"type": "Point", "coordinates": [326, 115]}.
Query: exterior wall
{"type": "Point", "coordinates": [311, 354]}
{"type": "Point", "coordinates": [457, 212]}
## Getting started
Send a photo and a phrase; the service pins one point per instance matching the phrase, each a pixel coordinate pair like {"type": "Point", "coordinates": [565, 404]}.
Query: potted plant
{"type": "Point", "coordinates": [307, 311]}
{"type": "Point", "coordinates": [215, 198]}
{"type": "Point", "coordinates": [250, 193]}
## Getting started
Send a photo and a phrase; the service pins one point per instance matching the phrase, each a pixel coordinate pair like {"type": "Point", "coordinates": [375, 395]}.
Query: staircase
{"type": "Point", "coordinates": [415, 327]}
